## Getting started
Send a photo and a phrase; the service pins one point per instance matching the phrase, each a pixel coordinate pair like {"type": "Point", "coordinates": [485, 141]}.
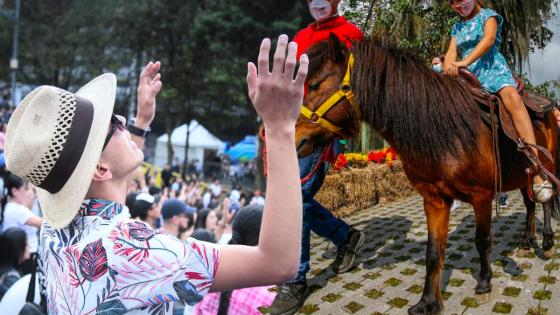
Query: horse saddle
{"type": "Point", "coordinates": [537, 105]}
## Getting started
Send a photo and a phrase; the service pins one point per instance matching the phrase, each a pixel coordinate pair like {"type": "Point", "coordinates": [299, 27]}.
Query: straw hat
{"type": "Point", "coordinates": [54, 140]}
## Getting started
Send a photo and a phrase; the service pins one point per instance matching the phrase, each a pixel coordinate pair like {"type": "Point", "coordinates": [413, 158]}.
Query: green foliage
{"type": "Point", "coordinates": [425, 25]}
{"type": "Point", "coordinates": [204, 45]}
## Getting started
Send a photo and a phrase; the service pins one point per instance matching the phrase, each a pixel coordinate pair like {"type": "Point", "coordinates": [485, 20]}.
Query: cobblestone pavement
{"type": "Point", "coordinates": [390, 270]}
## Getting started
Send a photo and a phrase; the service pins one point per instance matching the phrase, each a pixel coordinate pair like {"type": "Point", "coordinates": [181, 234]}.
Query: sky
{"type": "Point", "coordinates": [545, 64]}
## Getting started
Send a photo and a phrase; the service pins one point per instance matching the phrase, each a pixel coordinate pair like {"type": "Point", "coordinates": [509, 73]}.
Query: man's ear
{"type": "Point", "coordinates": [102, 173]}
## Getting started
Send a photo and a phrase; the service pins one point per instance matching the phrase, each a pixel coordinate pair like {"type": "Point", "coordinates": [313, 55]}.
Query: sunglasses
{"type": "Point", "coordinates": [115, 124]}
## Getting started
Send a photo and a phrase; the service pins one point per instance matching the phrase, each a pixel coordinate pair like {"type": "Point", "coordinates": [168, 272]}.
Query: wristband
{"type": "Point", "coordinates": [138, 131]}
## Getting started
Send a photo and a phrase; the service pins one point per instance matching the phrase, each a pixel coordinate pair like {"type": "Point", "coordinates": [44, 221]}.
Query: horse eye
{"type": "Point", "coordinates": [314, 86]}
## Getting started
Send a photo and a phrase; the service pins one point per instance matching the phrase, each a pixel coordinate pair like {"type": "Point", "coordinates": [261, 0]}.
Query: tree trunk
{"type": "Point", "coordinates": [169, 129]}
{"type": "Point", "coordinates": [186, 160]}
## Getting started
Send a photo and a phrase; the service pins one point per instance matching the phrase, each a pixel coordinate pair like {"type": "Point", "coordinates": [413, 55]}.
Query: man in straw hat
{"type": "Point", "coordinates": [96, 259]}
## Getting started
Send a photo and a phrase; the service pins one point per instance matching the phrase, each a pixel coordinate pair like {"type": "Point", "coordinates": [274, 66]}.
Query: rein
{"type": "Point", "coordinates": [304, 180]}
{"type": "Point", "coordinates": [344, 91]}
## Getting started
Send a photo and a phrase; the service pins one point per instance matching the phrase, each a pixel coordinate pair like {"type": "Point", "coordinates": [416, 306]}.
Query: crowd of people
{"type": "Point", "coordinates": [183, 207]}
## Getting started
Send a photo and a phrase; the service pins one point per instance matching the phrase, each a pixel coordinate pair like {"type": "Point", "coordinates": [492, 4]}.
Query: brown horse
{"type": "Point", "coordinates": [435, 125]}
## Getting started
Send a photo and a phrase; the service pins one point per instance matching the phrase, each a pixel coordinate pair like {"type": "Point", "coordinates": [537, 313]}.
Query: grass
{"type": "Point", "coordinates": [547, 280]}
{"type": "Point", "coordinates": [469, 302]}
{"type": "Point", "coordinates": [331, 297]}
{"type": "Point", "coordinates": [393, 282]}
{"type": "Point", "coordinates": [398, 302]}
{"type": "Point", "coordinates": [502, 308]}
{"type": "Point", "coordinates": [309, 309]}
{"type": "Point", "coordinates": [454, 282]}
{"type": "Point", "coordinates": [542, 295]}
{"type": "Point", "coordinates": [520, 277]}
{"type": "Point", "coordinates": [374, 294]}
{"type": "Point", "coordinates": [353, 307]}
{"type": "Point", "coordinates": [372, 275]}
{"type": "Point", "coordinates": [511, 291]}
{"type": "Point", "coordinates": [408, 272]}
{"type": "Point", "coordinates": [537, 310]}
{"type": "Point", "coordinates": [415, 288]}
{"type": "Point", "coordinates": [352, 286]}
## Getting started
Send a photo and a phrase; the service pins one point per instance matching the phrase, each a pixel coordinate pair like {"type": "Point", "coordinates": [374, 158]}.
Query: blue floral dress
{"type": "Point", "coordinates": [491, 69]}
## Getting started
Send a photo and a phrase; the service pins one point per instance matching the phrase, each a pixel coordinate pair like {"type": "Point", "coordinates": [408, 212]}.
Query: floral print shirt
{"type": "Point", "coordinates": [491, 69]}
{"type": "Point", "coordinates": [105, 263]}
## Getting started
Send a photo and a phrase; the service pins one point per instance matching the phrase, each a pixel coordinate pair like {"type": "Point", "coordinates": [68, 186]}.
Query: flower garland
{"type": "Point", "coordinates": [360, 160]}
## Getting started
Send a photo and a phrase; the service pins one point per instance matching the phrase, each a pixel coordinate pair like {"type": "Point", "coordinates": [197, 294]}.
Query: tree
{"type": "Point", "coordinates": [425, 25]}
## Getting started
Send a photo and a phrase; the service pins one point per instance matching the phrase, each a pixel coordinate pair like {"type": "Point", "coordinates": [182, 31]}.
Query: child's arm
{"type": "Point", "coordinates": [450, 58]}
{"type": "Point", "coordinates": [485, 44]}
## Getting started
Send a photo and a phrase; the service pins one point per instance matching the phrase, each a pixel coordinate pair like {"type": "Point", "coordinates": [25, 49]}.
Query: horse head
{"type": "Point", "coordinates": [327, 110]}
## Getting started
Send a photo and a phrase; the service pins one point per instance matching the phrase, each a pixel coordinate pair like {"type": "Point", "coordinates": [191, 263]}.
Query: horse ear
{"type": "Point", "coordinates": [336, 49]}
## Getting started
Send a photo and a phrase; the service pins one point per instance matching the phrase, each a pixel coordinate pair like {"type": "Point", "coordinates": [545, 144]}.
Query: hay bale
{"type": "Point", "coordinates": [348, 191]}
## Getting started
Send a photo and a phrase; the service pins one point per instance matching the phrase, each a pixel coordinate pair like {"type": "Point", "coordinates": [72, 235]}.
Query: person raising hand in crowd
{"type": "Point", "coordinates": [112, 263]}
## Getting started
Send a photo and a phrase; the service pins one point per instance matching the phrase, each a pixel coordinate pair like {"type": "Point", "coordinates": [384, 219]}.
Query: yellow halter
{"type": "Point", "coordinates": [345, 91]}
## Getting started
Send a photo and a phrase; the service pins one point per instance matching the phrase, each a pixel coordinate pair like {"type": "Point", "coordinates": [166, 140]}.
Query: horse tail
{"type": "Point", "coordinates": [556, 198]}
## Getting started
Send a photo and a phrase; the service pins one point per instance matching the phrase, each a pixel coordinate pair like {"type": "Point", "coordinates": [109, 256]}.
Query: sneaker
{"type": "Point", "coordinates": [289, 298]}
{"type": "Point", "coordinates": [503, 201]}
{"type": "Point", "coordinates": [346, 253]}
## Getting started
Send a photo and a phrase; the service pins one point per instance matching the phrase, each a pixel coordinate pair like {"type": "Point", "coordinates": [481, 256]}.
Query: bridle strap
{"type": "Point", "coordinates": [345, 91]}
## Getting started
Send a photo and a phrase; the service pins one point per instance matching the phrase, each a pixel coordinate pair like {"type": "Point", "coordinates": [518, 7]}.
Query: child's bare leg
{"type": "Point", "coordinates": [521, 121]}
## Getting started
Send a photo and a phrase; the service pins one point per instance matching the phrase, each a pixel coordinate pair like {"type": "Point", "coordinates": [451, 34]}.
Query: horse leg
{"type": "Point", "coordinates": [548, 233]}
{"type": "Point", "coordinates": [529, 238]}
{"type": "Point", "coordinates": [483, 242]}
{"type": "Point", "coordinates": [437, 213]}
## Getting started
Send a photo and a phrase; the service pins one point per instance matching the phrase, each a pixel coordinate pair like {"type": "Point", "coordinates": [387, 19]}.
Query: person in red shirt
{"type": "Point", "coordinates": [316, 218]}
{"type": "Point", "coordinates": [324, 25]}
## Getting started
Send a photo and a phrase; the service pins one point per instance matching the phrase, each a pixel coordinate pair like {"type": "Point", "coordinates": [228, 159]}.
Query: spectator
{"type": "Point", "coordinates": [246, 227]}
{"type": "Point", "coordinates": [15, 250]}
{"type": "Point", "coordinates": [208, 219]}
{"type": "Point", "coordinates": [178, 218]}
{"type": "Point", "coordinates": [129, 201]}
{"type": "Point", "coordinates": [257, 198]}
{"type": "Point", "coordinates": [176, 166]}
{"type": "Point", "coordinates": [234, 198]}
{"type": "Point", "coordinates": [147, 208]}
{"type": "Point", "coordinates": [177, 185]}
{"type": "Point", "coordinates": [206, 198]}
{"type": "Point", "coordinates": [215, 188]}
{"type": "Point", "coordinates": [2, 136]}
{"type": "Point", "coordinates": [166, 175]}
{"type": "Point", "coordinates": [204, 235]}
{"type": "Point", "coordinates": [17, 213]}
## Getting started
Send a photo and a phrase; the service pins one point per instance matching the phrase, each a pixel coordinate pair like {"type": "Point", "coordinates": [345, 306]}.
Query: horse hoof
{"type": "Point", "coordinates": [523, 252]}
{"type": "Point", "coordinates": [423, 308]}
{"type": "Point", "coordinates": [549, 253]}
{"type": "Point", "coordinates": [482, 298]}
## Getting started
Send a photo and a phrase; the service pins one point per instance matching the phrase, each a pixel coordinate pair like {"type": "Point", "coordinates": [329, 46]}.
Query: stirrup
{"type": "Point", "coordinates": [543, 192]}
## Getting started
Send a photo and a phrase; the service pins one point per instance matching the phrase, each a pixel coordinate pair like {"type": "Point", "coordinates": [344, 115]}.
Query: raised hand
{"type": "Point", "coordinates": [276, 95]}
{"type": "Point", "coordinates": [149, 86]}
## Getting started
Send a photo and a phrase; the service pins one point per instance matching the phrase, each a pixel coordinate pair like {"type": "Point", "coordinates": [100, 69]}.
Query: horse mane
{"type": "Point", "coordinates": [426, 116]}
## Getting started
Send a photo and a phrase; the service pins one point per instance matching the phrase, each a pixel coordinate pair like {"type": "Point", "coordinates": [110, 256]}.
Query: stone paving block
{"type": "Point", "coordinates": [390, 271]}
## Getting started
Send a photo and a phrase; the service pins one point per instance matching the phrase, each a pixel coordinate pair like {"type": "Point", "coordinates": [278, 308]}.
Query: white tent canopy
{"type": "Point", "coordinates": [200, 140]}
